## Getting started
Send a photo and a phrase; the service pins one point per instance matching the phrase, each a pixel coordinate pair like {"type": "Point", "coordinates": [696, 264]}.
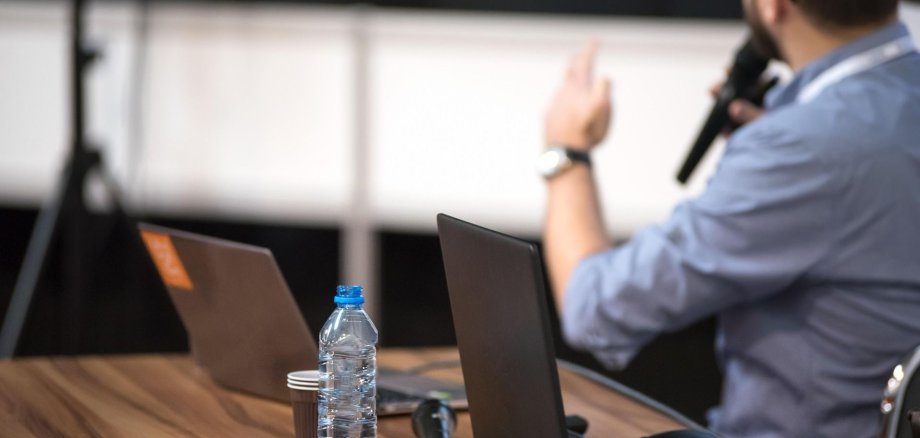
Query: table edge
{"type": "Point", "coordinates": [630, 393]}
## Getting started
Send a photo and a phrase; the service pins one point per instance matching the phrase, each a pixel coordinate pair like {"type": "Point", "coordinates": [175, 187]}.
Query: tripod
{"type": "Point", "coordinates": [64, 216]}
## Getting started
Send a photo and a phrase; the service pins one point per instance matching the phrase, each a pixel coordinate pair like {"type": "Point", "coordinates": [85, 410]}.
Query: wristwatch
{"type": "Point", "coordinates": [557, 159]}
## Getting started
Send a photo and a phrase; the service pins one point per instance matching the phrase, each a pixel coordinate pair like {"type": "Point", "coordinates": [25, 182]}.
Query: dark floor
{"type": "Point", "coordinates": [124, 308]}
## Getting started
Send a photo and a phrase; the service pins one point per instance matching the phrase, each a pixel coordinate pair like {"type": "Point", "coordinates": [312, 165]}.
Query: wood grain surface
{"type": "Point", "coordinates": [167, 395]}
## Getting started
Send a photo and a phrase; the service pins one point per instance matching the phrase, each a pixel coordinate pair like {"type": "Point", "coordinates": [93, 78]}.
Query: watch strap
{"type": "Point", "coordinates": [578, 156]}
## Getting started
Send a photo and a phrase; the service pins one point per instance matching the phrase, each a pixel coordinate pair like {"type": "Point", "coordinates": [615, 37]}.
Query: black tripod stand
{"type": "Point", "coordinates": [64, 216]}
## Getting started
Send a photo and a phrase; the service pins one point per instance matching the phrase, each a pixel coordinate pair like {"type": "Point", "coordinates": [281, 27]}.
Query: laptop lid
{"type": "Point", "coordinates": [501, 319]}
{"type": "Point", "coordinates": [243, 324]}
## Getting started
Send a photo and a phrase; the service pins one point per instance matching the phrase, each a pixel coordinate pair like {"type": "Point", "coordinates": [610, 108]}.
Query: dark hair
{"type": "Point", "coordinates": [845, 13]}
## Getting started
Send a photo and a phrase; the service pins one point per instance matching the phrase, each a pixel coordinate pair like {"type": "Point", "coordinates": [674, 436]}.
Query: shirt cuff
{"type": "Point", "coordinates": [584, 301]}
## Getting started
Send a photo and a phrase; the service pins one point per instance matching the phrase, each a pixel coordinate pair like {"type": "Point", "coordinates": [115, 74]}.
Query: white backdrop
{"type": "Point", "coordinates": [360, 119]}
{"type": "Point", "coordinates": [250, 111]}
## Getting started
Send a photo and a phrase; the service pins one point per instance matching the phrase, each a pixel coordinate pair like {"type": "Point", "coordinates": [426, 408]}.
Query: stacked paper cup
{"type": "Point", "coordinates": [303, 385]}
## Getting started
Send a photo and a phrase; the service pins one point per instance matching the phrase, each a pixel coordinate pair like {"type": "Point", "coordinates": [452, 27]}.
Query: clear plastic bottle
{"type": "Point", "coordinates": [348, 370]}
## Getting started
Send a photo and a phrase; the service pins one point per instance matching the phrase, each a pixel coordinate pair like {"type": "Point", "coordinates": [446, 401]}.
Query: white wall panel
{"type": "Point", "coordinates": [248, 111]}
{"type": "Point", "coordinates": [32, 98]}
{"type": "Point", "coordinates": [457, 106]}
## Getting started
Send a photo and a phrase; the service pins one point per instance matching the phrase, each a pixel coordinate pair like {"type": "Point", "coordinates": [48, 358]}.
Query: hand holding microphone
{"type": "Point", "coordinates": [742, 83]}
{"type": "Point", "coordinates": [740, 111]}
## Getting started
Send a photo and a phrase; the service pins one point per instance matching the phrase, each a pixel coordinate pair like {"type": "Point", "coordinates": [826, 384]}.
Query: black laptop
{"type": "Point", "coordinates": [499, 306]}
{"type": "Point", "coordinates": [502, 323]}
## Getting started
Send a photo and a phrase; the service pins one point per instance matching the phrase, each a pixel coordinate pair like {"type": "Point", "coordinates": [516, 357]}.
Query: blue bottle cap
{"type": "Point", "coordinates": [349, 294]}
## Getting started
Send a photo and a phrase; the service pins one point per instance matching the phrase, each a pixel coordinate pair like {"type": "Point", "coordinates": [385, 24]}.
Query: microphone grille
{"type": "Point", "coordinates": [750, 59]}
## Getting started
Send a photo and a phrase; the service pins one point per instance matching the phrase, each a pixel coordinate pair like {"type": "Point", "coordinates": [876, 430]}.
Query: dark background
{"type": "Point", "coordinates": [721, 9]}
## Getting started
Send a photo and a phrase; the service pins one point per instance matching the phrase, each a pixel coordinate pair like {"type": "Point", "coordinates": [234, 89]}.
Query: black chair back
{"type": "Point", "coordinates": [902, 395]}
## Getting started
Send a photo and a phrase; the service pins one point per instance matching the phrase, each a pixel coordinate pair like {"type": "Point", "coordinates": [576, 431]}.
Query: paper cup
{"type": "Point", "coordinates": [303, 404]}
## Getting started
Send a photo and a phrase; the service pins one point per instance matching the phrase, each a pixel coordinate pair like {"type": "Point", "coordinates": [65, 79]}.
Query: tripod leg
{"type": "Point", "coordinates": [85, 237]}
{"type": "Point", "coordinates": [29, 273]}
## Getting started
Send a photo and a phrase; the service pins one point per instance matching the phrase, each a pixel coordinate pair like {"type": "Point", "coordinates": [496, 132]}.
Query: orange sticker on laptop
{"type": "Point", "coordinates": [166, 259]}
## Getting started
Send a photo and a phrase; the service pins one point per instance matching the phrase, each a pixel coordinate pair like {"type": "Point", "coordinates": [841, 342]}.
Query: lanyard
{"type": "Point", "coordinates": [855, 64]}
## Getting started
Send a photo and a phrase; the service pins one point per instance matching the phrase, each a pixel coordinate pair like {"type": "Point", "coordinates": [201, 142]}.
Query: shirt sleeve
{"type": "Point", "coordinates": [759, 226]}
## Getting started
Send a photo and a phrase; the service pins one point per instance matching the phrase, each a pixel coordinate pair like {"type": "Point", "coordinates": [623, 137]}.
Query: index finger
{"type": "Point", "coordinates": [584, 64]}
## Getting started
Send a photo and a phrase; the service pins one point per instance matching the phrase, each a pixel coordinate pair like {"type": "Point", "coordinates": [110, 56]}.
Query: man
{"type": "Point", "coordinates": [806, 242]}
{"type": "Point", "coordinates": [910, 15]}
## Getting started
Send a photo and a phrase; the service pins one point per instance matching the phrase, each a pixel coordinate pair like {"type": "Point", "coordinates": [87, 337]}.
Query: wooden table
{"type": "Point", "coordinates": [167, 395]}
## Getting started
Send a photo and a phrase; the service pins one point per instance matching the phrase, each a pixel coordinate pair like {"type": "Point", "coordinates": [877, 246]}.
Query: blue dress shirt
{"type": "Point", "coordinates": [806, 244]}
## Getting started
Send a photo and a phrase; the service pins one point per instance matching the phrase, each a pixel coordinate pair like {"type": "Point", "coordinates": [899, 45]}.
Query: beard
{"type": "Point", "coordinates": [760, 36]}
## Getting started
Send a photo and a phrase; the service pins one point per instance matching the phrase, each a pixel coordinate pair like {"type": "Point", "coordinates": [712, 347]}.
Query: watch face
{"type": "Point", "coordinates": [552, 162]}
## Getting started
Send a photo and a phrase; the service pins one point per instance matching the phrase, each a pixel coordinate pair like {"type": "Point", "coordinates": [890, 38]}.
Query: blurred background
{"type": "Point", "coordinates": [332, 133]}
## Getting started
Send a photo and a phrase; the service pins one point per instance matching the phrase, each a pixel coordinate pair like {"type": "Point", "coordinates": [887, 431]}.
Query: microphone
{"type": "Point", "coordinates": [576, 423]}
{"type": "Point", "coordinates": [434, 419]}
{"type": "Point", "coordinates": [742, 82]}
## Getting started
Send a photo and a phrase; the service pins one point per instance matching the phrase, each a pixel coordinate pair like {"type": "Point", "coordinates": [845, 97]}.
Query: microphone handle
{"type": "Point", "coordinates": [717, 120]}
{"type": "Point", "coordinates": [433, 419]}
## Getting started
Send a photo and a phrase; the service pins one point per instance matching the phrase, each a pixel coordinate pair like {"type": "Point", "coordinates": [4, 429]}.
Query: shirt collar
{"type": "Point", "coordinates": [787, 93]}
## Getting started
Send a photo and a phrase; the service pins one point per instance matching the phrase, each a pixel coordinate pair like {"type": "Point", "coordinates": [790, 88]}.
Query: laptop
{"type": "Point", "coordinates": [244, 326]}
{"type": "Point", "coordinates": [501, 319]}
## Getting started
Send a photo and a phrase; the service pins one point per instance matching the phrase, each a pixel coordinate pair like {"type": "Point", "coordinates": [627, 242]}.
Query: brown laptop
{"type": "Point", "coordinates": [226, 295]}
{"type": "Point", "coordinates": [244, 326]}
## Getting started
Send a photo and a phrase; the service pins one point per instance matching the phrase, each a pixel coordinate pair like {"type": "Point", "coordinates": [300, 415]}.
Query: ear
{"type": "Point", "coordinates": [771, 11]}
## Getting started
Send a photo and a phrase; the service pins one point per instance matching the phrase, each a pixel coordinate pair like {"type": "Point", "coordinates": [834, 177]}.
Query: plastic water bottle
{"type": "Point", "coordinates": [348, 370]}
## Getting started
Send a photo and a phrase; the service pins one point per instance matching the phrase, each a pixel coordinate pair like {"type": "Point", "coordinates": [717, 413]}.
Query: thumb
{"type": "Point", "coordinates": [742, 111]}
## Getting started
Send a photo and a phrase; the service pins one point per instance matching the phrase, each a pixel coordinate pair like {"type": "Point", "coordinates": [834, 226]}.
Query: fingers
{"type": "Point", "coordinates": [715, 88]}
{"type": "Point", "coordinates": [600, 93]}
{"type": "Point", "coordinates": [602, 111]}
{"type": "Point", "coordinates": [582, 66]}
{"type": "Point", "coordinates": [580, 112]}
{"type": "Point", "coordinates": [586, 61]}
{"type": "Point", "coordinates": [742, 111]}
